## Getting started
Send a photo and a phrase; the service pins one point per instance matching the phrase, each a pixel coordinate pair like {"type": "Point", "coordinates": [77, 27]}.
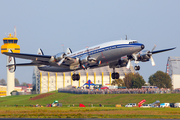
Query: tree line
{"type": "Point", "coordinates": [135, 80]}
{"type": "Point", "coordinates": [16, 81]}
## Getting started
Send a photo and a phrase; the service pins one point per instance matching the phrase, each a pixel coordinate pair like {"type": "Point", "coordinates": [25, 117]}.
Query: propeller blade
{"type": "Point", "coordinates": [153, 48]}
{"type": "Point", "coordinates": [61, 61]}
{"type": "Point", "coordinates": [128, 65]}
{"type": "Point", "coordinates": [152, 61]}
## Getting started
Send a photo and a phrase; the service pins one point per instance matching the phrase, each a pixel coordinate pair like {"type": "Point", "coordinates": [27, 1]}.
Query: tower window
{"type": "Point", "coordinates": [10, 41]}
{"type": "Point", "coordinates": [15, 41]}
{"type": "Point", "coordinates": [5, 41]}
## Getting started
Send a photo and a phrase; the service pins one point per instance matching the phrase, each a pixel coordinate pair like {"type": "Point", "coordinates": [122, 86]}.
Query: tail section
{"type": "Point", "coordinates": [11, 63]}
{"type": "Point", "coordinates": [40, 52]}
{"type": "Point", "coordinates": [68, 51]}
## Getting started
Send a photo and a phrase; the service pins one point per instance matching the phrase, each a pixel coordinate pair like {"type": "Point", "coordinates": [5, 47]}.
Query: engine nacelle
{"type": "Point", "coordinates": [57, 57]}
{"type": "Point", "coordinates": [144, 56]}
{"type": "Point", "coordinates": [84, 59]}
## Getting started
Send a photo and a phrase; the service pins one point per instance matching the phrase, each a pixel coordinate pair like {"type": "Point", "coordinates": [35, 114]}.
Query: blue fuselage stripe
{"type": "Point", "coordinates": [108, 48]}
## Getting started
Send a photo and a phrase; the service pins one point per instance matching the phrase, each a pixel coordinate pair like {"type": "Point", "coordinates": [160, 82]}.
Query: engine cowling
{"type": "Point", "coordinates": [57, 57]}
{"type": "Point", "coordinates": [84, 59]}
{"type": "Point", "coordinates": [144, 56]}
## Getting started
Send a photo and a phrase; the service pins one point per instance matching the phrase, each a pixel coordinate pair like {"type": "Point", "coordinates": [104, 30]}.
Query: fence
{"type": "Point", "coordinates": [119, 91]}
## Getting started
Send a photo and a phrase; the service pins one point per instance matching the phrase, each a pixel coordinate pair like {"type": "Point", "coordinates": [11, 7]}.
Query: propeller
{"type": "Point", "coordinates": [61, 61]}
{"type": "Point", "coordinates": [151, 58]}
{"type": "Point", "coordinates": [129, 63]}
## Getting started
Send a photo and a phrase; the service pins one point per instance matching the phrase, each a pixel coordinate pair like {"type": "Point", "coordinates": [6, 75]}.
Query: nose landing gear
{"type": "Point", "coordinates": [137, 67]}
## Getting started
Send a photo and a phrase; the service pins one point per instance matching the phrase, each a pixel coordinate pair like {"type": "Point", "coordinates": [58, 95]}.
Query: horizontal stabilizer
{"type": "Point", "coordinates": [23, 64]}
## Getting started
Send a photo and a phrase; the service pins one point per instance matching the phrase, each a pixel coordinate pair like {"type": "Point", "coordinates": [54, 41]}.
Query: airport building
{"type": "Point", "coordinates": [49, 81]}
{"type": "Point", "coordinates": [173, 70]}
{"type": "Point", "coordinates": [20, 89]}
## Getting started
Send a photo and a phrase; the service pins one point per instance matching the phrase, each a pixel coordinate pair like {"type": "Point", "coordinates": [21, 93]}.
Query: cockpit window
{"type": "Point", "coordinates": [133, 42]}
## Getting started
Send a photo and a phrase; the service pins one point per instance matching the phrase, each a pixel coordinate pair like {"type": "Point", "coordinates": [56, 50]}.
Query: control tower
{"type": "Point", "coordinates": [10, 43]}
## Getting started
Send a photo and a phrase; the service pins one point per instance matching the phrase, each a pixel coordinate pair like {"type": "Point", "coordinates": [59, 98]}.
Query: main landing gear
{"type": "Point", "coordinates": [115, 75]}
{"type": "Point", "coordinates": [75, 77]}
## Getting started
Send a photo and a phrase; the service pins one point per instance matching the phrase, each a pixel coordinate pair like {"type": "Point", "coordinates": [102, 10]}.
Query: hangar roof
{"type": "Point", "coordinates": [173, 65]}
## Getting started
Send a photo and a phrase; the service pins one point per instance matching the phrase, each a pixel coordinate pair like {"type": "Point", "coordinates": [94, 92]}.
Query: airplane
{"type": "Point", "coordinates": [114, 54]}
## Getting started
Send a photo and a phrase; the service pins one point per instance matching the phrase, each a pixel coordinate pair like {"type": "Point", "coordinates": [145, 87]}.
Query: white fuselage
{"type": "Point", "coordinates": [104, 53]}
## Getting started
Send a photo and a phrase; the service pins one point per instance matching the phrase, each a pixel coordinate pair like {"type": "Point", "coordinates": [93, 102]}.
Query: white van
{"type": "Point", "coordinates": [130, 105]}
{"type": "Point", "coordinates": [146, 106]}
{"type": "Point", "coordinates": [177, 105]}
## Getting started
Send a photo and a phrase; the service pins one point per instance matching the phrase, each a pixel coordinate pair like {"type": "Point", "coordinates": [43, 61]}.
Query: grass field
{"type": "Point", "coordinates": [7, 109]}
{"type": "Point", "coordinates": [105, 99]}
{"type": "Point", "coordinates": [88, 112]}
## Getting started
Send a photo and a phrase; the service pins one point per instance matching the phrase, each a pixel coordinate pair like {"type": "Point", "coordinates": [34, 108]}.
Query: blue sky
{"type": "Point", "coordinates": [80, 23]}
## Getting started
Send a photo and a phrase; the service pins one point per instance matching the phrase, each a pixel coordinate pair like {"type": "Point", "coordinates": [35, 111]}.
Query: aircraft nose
{"type": "Point", "coordinates": [142, 46]}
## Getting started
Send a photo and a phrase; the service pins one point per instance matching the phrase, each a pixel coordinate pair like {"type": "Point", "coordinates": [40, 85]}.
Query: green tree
{"type": "Point", "coordinates": [160, 79]}
{"type": "Point", "coordinates": [3, 82]}
{"type": "Point", "coordinates": [16, 82]}
{"type": "Point", "coordinates": [118, 82]}
{"type": "Point", "coordinates": [132, 80]}
{"type": "Point", "coordinates": [24, 84]}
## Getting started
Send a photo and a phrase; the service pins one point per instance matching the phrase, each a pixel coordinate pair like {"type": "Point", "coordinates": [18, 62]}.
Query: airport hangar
{"type": "Point", "coordinates": [44, 82]}
{"type": "Point", "coordinates": [173, 70]}
{"type": "Point", "coordinates": [49, 81]}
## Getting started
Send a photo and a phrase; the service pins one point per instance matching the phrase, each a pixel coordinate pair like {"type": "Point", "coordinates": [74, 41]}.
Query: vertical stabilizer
{"type": "Point", "coordinates": [11, 63]}
{"type": "Point", "coordinates": [68, 51]}
{"type": "Point", "coordinates": [40, 52]}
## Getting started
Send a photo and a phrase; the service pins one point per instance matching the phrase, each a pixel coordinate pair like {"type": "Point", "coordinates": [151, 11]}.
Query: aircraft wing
{"type": "Point", "coordinates": [29, 56]}
{"type": "Point", "coordinates": [158, 51]}
{"type": "Point", "coordinates": [37, 59]}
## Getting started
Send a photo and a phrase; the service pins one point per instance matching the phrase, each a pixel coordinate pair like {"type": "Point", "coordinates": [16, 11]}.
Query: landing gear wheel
{"type": "Point", "coordinates": [137, 68]}
{"type": "Point", "coordinates": [77, 77]}
{"type": "Point", "coordinates": [115, 75]}
{"type": "Point", "coordinates": [74, 77]}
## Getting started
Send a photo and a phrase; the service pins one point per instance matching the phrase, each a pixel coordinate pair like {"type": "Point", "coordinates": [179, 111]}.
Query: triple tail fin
{"type": "Point", "coordinates": [11, 63]}
{"type": "Point", "coordinates": [68, 51]}
{"type": "Point", "coordinates": [40, 52]}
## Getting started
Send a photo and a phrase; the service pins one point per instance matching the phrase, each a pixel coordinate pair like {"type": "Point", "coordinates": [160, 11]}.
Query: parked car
{"type": "Point", "coordinates": [163, 105]}
{"type": "Point", "coordinates": [146, 106]}
{"type": "Point", "coordinates": [177, 105]}
{"type": "Point", "coordinates": [130, 105]}
{"type": "Point", "coordinates": [171, 104]}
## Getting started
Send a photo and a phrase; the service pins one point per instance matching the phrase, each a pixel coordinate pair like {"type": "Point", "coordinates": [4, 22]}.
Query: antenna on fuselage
{"type": "Point", "coordinates": [63, 47]}
{"type": "Point", "coordinates": [126, 37]}
{"type": "Point", "coordinates": [87, 50]}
